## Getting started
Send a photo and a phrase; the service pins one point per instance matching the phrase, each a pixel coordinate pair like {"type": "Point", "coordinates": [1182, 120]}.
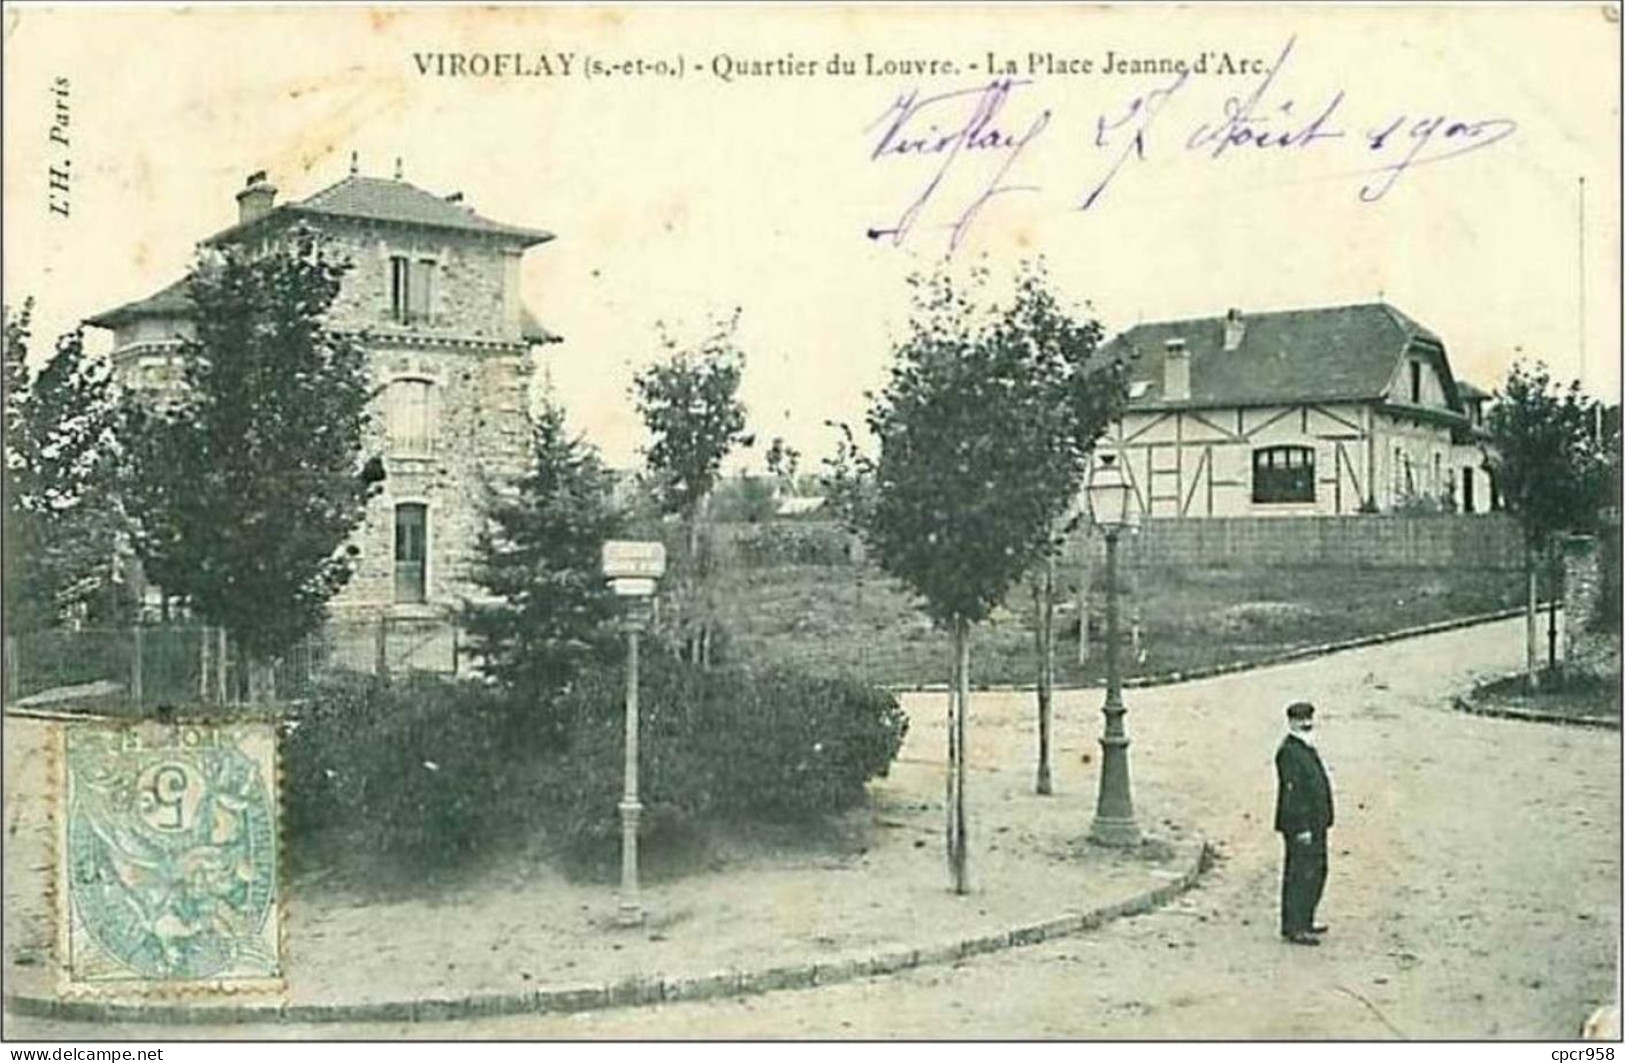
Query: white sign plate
{"type": "Point", "coordinates": [632, 587]}
{"type": "Point", "coordinates": [644, 560]}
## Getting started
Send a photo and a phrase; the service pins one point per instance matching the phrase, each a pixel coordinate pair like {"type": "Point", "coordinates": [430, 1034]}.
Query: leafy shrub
{"type": "Point", "coordinates": [433, 773]}
{"type": "Point", "coordinates": [745, 499]}
{"type": "Point", "coordinates": [780, 544]}
{"type": "Point", "coordinates": [773, 744]}
{"type": "Point", "coordinates": [419, 772]}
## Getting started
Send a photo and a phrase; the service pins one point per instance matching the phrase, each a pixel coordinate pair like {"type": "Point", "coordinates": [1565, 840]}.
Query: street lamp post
{"type": "Point", "coordinates": [1111, 507]}
{"type": "Point", "coordinates": [630, 912]}
{"type": "Point", "coordinates": [632, 569]}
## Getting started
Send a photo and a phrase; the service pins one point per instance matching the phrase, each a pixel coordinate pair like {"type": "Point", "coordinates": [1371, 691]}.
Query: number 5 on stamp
{"type": "Point", "coordinates": [167, 866]}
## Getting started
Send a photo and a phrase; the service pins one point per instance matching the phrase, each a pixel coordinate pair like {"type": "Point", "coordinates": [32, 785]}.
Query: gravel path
{"type": "Point", "coordinates": [1474, 888]}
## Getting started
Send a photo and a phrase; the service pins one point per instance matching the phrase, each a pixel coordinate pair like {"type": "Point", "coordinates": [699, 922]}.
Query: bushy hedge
{"type": "Point", "coordinates": [432, 773]}
{"type": "Point", "coordinates": [788, 544]}
{"type": "Point", "coordinates": [416, 770]}
{"type": "Point", "coordinates": [730, 743]}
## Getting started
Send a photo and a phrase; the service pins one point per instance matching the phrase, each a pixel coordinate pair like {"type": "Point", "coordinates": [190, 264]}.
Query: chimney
{"type": "Point", "coordinates": [256, 198]}
{"type": "Point", "coordinates": [1234, 329]}
{"type": "Point", "coordinates": [1176, 371]}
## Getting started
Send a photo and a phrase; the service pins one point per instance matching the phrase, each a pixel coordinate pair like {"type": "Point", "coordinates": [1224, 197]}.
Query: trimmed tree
{"type": "Point", "coordinates": [62, 520]}
{"type": "Point", "coordinates": [1553, 470]}
{"type": "Point", "coordinates": [984, 430]}
{"type": "Point", "coordinates": [246, 482]}
{"type": "Point", "coordinates": [26, 608]}
{"type": "Point", "coordinates": [690, 404]}
{"type": "Point", "coordinates": [547, 611]}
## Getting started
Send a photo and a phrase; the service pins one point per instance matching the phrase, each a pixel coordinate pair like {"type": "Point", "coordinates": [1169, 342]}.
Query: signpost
{"type": "Point", "coordinates": [633, 570]}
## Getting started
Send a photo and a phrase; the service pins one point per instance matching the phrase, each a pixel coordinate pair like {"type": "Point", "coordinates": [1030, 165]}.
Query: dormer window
{"type": "Point", "coordinates": [1416, 383]}
{"type": "Point", "coordinates": [411, 288]}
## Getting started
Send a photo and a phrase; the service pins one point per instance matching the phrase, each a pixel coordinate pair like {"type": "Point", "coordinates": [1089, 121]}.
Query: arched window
{"type": "Point", "coordinates": [1284, 474]}
{"type": "Point", "coordinates": [409, 416]}
{"type": "Point", "coordinates": [411, 551]}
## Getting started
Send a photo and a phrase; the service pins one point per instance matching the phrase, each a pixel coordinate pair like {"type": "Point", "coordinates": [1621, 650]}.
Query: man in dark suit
{"type": "Point", "coordinates": [1303, 814]}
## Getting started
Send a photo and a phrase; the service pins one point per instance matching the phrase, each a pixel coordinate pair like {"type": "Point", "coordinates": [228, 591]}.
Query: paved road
{"type": "Point", "coordinates": [1474, 884]}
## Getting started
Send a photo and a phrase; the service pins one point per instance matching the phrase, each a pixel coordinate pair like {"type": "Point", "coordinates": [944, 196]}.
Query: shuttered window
{"type": "Point", "coordinates": [411, 289]}
{"type": "Point", "coordinates": [409, 415]}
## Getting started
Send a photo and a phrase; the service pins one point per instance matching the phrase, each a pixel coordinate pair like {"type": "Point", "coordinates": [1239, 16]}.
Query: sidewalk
{"type": "Point", "coordinates": [869, 897]}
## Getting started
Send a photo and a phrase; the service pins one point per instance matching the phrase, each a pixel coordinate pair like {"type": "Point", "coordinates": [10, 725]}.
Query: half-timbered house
{"type": "Point", "coordinates": [1300, 412]}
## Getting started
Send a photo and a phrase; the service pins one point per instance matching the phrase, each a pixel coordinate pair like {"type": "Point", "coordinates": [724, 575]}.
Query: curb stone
{"type": "Point", "coordinates": [1465, 703]}
{"type": "Point", "coordinates": [636, 990]}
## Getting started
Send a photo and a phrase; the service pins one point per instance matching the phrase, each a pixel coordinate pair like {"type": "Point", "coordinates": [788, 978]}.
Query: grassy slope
{"type": "Point", "coordinates": [856, 620]}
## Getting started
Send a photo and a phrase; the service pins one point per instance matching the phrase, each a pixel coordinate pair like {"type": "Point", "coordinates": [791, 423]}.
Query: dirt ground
{"type": "Point", "coordinates": [1474, 889]}
{"type": "Point", "coordinates": [874, 881]}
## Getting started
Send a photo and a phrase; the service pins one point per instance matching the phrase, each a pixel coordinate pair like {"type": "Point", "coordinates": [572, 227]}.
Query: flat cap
{"type": "Point", "coordinates": [1300, 710]}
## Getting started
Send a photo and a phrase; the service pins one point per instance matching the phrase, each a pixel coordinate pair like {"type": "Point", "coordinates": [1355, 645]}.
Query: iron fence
{"type": "Point", "coordinates": [151, 665]}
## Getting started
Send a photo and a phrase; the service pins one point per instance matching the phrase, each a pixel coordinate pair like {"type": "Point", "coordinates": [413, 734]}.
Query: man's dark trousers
{"type": "Point", "coordinates": [1302, 882]}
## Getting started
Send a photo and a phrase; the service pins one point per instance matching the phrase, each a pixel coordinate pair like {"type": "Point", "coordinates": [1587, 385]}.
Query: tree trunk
{"type": "Point", "coordinates": [1552, 583]}
{"type": "Point", "coordinates": [1044, 594]}
{"type": "Point", "coordinates": [694, 636]}
{"type": "Point", "coordinates": [958, 708]}
{"type": "Point", "coordinates": [863, 617]}
{"type": "Point", "coordinates": [1137, 603]}
{"type": "Point", "coordinates": [137, 651]}
{"type": "Point", "coordinates": [1531, 622]}
{"type": "Point", "coordinates": [203, 685]}
{"type": "Point", "coordinates": [221, 690]}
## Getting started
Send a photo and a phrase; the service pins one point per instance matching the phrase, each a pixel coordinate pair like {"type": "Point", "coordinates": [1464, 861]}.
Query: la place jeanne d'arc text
{"type": "Point", "coordinates": [731, 66]}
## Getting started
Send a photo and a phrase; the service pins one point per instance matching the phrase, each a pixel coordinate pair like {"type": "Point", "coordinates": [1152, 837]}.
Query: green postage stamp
{"type": "Point", "coordinates": [167, 871]}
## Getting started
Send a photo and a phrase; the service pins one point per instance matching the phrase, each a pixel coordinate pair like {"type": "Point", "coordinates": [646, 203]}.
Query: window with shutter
{"type": "Point", "coordinates": [409, 417]}
{"type": "Point", "coordinates": [421, 290]}
{"type": "Point", "coordinates": [411, 289]}
{"type": "Point", "coordinates": [399, 283]}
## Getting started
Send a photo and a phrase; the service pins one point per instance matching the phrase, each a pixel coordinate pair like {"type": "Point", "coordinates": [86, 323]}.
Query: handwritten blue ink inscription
{"type": "Point", "coordinates": [970, 142]}
{"type": "Point", "coordinates": [962, 128]}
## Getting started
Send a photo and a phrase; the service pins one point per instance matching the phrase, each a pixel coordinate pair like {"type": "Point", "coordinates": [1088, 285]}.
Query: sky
{"type": "Point", "coordinates": [1431, 157]}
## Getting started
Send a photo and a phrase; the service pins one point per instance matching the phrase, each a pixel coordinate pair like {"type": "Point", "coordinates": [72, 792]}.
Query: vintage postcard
{"type": "Point", "coordinates": [979, 521]}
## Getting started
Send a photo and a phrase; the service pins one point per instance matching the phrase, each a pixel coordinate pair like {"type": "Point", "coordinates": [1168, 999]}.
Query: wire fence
{"type": "Point", "coordinates": [153, 665]}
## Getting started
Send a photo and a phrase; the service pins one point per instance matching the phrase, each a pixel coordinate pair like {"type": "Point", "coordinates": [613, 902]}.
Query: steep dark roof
{"type": "Point", "coordinates": [172, 301]}
{"type": "Point", "coordinates": [379, 199]}
{"type": "Point", "coordinates": [1311, 355]}
{"type": "Point", "coordinates": [1471, 392]}
{"type": "Point", "coordinates": [370, 198]}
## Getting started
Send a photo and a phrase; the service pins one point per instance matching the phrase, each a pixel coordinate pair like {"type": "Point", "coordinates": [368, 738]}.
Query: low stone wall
{"type": "Point", "coordinates": [1376, 540]}
{"type": "Point", "coordinates": [1484, 540]}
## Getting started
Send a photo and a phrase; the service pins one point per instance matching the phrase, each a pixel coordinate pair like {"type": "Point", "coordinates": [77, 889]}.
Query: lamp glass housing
{"type": "Point", "coordinates": [1111, 498]}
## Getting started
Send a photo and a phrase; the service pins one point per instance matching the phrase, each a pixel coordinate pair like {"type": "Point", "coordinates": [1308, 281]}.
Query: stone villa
{"type": "Point", "coordinates": [435, 292]}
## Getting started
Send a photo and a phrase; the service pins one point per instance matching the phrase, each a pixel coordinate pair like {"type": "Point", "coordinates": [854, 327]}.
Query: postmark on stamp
{"type": "Point", "coordinates": [167, 867]}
